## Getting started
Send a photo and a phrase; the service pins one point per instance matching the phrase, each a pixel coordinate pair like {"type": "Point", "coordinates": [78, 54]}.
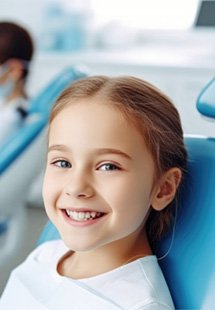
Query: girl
{"type": "Point", "coordinates": [115, 161]}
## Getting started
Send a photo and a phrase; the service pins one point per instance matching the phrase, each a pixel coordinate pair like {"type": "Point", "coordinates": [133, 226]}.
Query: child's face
{"type": "Point", "coordinates": [98, 184]}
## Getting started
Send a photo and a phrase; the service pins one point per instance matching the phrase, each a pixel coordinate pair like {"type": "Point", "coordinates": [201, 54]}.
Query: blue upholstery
{"type": "Point", "coordinates": [206, 100]}
{"type": "Point", "coordinates": [49, 233]}
{"type": "Point", "coordinates": [189, 266]}
{"type": "Point", "coordinates": [37, 117]}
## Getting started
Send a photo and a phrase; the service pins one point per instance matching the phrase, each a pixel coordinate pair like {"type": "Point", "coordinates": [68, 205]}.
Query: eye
{"type": "Point", "coordinates": [108, 167]}
{"type": "Point", "coordinates": [62, 164]}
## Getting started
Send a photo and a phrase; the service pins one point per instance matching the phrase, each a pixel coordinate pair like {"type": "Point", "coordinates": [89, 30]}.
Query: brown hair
{"type": "Point", "coordinates": [15, 43]}
{"type": "Point", "coordinates": [152, 113]}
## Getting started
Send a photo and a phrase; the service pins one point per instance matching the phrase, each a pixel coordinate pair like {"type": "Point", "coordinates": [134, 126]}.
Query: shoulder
{"type": "Point", "coordinates": [47, 251]}
{"type": "Point", "coordinates": [143, 282]}
{"type": "Point", "coordinates": [29, 280]}
{"type": "Point", "coordinates": [40, 263]}
{"type": "Point", "coordinates": [8, 113]}
{"type": "Point", "coordinates": [150, 287]}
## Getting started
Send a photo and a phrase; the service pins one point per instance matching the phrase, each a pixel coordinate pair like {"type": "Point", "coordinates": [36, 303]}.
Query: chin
{"type": "Point", "coordinates": [78, 245]}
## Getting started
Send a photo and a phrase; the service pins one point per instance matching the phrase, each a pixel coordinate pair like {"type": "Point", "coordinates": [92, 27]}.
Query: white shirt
{"type": "Point", "coordinates": [36, 284]}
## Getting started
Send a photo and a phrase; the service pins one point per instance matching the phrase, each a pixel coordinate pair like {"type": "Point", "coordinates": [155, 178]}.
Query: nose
{"type": "Point", "coordinates": [79, 186]}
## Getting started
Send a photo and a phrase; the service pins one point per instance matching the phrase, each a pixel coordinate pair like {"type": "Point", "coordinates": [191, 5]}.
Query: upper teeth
{"type": "Point", "coordinates": [82, 216]}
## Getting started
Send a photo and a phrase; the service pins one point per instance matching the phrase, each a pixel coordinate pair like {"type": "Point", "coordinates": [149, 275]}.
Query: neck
{"type": "Point", "coordinates": [79, 265]}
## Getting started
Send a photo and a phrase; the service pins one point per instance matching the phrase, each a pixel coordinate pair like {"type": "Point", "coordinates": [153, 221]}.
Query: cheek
{"type": "Point", "coordinates": [129, 197]}
{"type": "Point", "coordinates": [50, 190]}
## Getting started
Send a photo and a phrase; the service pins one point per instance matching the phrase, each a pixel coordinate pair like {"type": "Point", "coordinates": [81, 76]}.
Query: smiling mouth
{"type": "Point", "coordinates": [83, 216]}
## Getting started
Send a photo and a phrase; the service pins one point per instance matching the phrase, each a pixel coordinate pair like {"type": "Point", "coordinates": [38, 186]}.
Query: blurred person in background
{"type": "Point", "coordinates": [16, 51]}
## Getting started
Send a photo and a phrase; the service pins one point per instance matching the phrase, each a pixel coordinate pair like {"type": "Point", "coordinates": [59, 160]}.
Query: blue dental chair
{"type": "Point", "coordinates": [189, 249]}
{"type": "Point", "coordinates": [21, 160]}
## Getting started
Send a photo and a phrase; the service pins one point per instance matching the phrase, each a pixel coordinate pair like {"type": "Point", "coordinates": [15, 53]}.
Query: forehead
{"type": "Point", "coordinates": [92, 114]}
{"type": "Point", "coordinates": [95, 124]}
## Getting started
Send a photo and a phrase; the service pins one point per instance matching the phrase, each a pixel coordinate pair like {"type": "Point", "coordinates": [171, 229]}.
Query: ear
{"type": "Point", "coordinates": [166, 189]}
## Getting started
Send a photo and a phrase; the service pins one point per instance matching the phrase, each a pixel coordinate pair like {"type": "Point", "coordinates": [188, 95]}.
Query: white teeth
{"type": "Point", "coordinates": [93, 214]}
{"type": "Point", "coordinates": [82, 216]}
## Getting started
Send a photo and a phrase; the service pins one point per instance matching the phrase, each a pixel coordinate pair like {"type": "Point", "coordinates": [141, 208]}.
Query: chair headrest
{"type": "Point", "coordinates": [206, 100]}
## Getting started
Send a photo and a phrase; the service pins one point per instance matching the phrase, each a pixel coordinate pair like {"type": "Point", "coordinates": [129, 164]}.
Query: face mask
{"type": "Point", "coordinates": [6, 88]}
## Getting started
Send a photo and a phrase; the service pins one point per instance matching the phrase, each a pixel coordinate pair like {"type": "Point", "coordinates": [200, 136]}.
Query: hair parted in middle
{"type": "Point", "coordinates": [152, 113]}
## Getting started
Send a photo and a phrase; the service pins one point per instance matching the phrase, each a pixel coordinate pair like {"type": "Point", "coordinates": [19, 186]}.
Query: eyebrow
{"type": "Point", "coordinates": [113, 151]}
{"type": "Point", "coordinates": [58, 147]}
{"type": "Point", "coordinates": [100, 151]}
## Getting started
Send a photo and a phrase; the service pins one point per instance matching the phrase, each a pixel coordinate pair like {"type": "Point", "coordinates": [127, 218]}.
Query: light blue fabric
{"type": "Point", "coordinates": [6, 89]}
